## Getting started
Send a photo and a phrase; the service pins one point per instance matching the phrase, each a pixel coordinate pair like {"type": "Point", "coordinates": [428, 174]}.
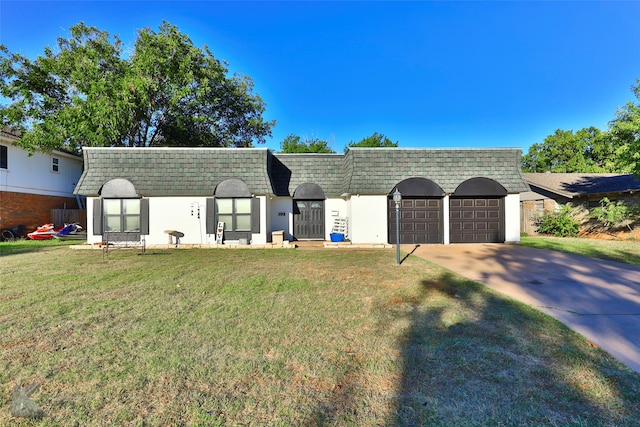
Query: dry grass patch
{"type": "Point", "coordinates": [284, 338]}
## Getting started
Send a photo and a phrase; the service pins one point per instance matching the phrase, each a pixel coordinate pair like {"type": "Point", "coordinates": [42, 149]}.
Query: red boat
{"type": "Point", "coordinates": [44, 232]}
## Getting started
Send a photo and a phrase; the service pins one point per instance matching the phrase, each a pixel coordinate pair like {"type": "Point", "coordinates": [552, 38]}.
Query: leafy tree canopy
{"type": "Point", "coordinates": [625, 131]}
{"type": "Point", "coordinates": [376, 140]}
{"type": "Point", "coordinates": [295, 144]}
{"type": "Point", "coordinates": [616, 150]}
{"type": "Point", "coordinates": [587, 150]}
{"type": "Point", "coordinates": [90, 91]}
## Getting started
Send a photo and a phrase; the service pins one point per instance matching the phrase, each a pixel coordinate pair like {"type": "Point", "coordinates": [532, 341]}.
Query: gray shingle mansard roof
{"type": "Point", "coordinates": [197, 171]}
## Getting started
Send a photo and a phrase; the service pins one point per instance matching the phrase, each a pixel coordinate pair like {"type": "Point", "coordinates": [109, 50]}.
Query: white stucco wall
{"type": "Point", "coordinates": [34, 174]}
{"type": "Point", "coordinates": [175, 213]}
{"type": "Point", "coordinates": [90, 237]}
{"type": "Point", "coordinates": [334, 208]}
{"type": "Point", "coordinates": [446, 225]}
{"type": "Point", "coordinates": [281, 209]}
{"type": "Point", "coordinates": [368, 219]}
{"type": "Point", "coordinates": [261, 238]}
{"type": "Point", "coordinates": [512, 218]}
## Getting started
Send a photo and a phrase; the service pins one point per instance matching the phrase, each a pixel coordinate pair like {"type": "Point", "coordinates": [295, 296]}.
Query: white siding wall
{"type": "Point", "coordinates": [368, 219]}
{"type": "Point", "coordinates": [34, 174]}
{"type": "Point", "coordinates": [512, 218]}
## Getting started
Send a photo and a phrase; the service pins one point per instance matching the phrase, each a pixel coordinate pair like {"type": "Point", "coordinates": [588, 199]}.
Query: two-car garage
{"type": "Point", "coordinates": [476, 212]}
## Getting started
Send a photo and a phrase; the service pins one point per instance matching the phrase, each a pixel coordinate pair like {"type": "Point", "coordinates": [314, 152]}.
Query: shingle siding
{"type": "Point", "coordinates": [197, 171]}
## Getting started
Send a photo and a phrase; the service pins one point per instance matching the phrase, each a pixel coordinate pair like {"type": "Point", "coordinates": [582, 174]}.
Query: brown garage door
{"type": "Point", "coordinates": [476, 220]}
{"type": "Point", "coordinates": [420, 221]}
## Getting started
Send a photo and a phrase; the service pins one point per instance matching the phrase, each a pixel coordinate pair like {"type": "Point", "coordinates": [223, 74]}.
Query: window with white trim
{"type": "Point", "coordinates": [55, 164]}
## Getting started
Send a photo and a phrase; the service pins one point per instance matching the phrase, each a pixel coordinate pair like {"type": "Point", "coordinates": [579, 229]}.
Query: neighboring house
{"type": "Point", "coordinates": [550, 190]}
{"type": "Point", "coordinates": [449, 195]}
{"type": "Point", "coordinates": [31, 186]}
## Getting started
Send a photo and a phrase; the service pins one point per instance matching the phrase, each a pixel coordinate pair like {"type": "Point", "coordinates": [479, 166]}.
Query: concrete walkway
{"type": "Point", "coordinates": [598, 299]}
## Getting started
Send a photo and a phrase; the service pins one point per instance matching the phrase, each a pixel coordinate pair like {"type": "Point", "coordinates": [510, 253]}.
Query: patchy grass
{"type": "Point", "coordinates": [287, 338]}
{"type": "Point", "coordinates": [627, 251]}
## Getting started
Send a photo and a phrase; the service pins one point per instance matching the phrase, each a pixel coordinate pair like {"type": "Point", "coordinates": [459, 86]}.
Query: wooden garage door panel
{"type": "Point", "coordinates": [476, 220]}
{"type": "Point", "coordinates": [420, 221]}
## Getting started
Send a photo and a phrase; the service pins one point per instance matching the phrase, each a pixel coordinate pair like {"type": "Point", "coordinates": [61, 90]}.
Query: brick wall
{"type": "Point", "coordinates": [30, 210]}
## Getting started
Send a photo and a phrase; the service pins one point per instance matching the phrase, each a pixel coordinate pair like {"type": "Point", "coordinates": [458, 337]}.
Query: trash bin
{"type": "Point", "coordinates": [277, 237]}
{"type": "Point", "coordinates": [337, 237]}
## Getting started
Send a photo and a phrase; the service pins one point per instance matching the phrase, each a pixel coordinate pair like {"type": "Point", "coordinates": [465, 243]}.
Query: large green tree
{"type": "Point", "coordinates": [295, 144]}
{"type": "Point", "coordinates": [91, 91]}
{"type": "Point", "coordinates": [376, 140]}
{"type": "Point", "coordinates": [625, 131]}
{"type": "Point", "coordinates": [587, 150]}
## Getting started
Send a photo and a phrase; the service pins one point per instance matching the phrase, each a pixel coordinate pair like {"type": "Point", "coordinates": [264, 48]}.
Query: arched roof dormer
{"type": "Point", "coordinates": [118, 188]}
{"type": "Point", "coordinates": [480, 187]}
{"type": "Point", "coordinates": [308, 191]}
{"type": "Point", "coordinates": [232, 187]}
{"type": "Point", "coordinates": [418, 187]}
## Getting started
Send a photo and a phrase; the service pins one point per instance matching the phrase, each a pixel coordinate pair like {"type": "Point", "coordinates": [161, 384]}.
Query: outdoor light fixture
{"type": "Point", "coordinates": [197, 205]}
{"type": "Point", "coordinates": [397, 197]}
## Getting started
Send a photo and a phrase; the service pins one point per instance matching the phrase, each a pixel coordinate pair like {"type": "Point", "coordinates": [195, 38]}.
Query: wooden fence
{"type": "Point", "coordinates": [67, 216]}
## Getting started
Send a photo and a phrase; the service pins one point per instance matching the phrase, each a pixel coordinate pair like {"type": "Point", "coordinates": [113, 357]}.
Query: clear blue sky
{"type": "Point", "coordinates": [425, 74]}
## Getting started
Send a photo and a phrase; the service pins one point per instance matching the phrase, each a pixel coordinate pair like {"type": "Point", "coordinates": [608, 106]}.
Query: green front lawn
{"type": "Point", "coordinates": [288, 338]}
{"type": "Point", "coordinates": [627, 251]}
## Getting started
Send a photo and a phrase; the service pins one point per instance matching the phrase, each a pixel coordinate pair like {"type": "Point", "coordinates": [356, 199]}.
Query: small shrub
{"type": "Point", "coordinates": [613, 215]}
{"type": "Point", "coordinates": [561, 223]}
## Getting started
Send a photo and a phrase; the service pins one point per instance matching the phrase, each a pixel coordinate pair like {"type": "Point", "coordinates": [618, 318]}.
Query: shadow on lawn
{"type": "Point", "coordinates": [485, 360]}
{"type": "Point", "coordinates": [28, 246]}
{"type": "Point", "coordinates": [593, 251]}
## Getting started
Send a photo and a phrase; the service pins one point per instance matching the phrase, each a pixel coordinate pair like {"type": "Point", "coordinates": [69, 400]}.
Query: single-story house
{"type": "Point", "coordinates": [448, 195]}
{"type": "Point", "coordinates": [550, 190]}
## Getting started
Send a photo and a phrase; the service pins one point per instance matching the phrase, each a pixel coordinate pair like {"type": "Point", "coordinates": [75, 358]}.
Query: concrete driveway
{"type": "Point", "coordinates": [598, 299]}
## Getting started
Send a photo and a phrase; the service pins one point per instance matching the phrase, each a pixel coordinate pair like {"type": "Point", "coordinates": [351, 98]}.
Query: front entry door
{"type": "Point", "coordinates": [308, 219]}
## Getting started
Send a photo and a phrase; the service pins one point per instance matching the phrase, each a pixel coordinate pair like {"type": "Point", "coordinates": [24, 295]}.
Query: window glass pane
{"type": "Point", "coordinates": [243, 223]}
{"type": "Point", "coordinates": [228, 221]}
{"type": "Point", "coordinates": [131, 206]}
{"type": "Point", "coordinates": [111, 206]}
{"type": "Point", "coordinates": [112, 223]}
{"type": "Point", "coordinates": [224, 205]}
{"type": "Point", "coordinates": [132, 223]}
{"type": "Point", "coordinates": [243, 206]}
{"type": "Point", "coordinates": [3, 157]}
